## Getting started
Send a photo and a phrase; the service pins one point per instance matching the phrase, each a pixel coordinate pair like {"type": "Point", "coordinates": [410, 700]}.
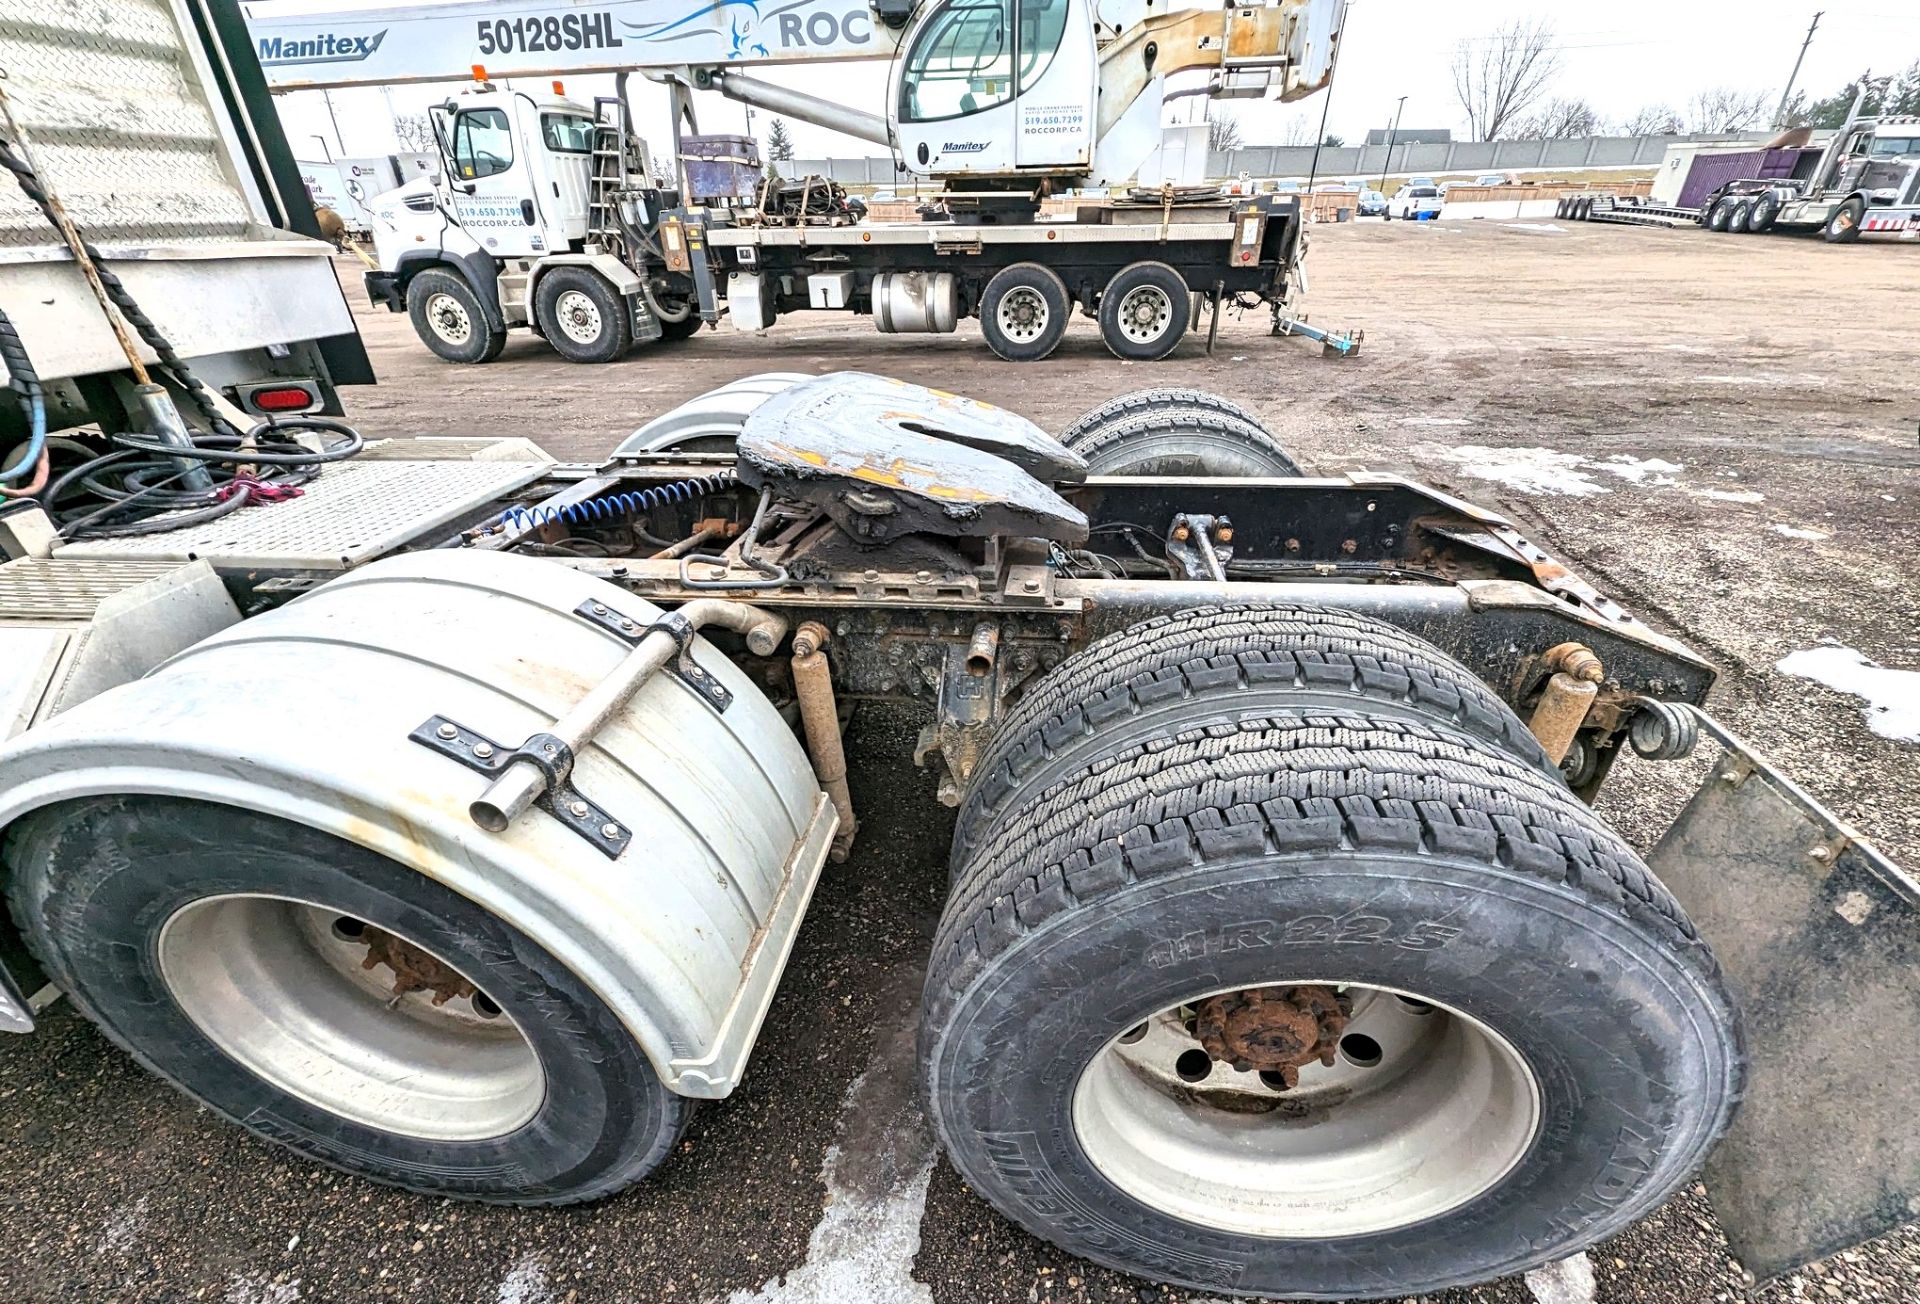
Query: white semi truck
{"type": "Point", "coordinates": [1283, 953]}
{"type": "Point", "coordinates": [548, 215]}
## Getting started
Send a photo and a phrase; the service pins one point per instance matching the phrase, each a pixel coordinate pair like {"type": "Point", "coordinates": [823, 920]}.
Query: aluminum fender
{"type": "Point", "coordinates": [305, 712]}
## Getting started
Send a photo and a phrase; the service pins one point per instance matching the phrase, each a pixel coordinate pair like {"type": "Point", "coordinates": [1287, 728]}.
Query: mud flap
{"type": "Point", "coordinates": [1819, 937]}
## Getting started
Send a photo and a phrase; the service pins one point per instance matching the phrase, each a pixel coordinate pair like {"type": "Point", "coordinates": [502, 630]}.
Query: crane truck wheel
{"type": "Point", "coordinates": [345, 1007]}
{"type": "Point", "coordinates": [1144, 312]}
{"type": "Point", "coordinates": [684, 329]}
{"type": "Point", "coordinates": [1218, 666]}
{"type": "Point", "coordinates": [1843, 227]}
{"type": "Point", "coordinates": [1766, 207]}
{"type": "Point", "coordinates": [582, 315]}
{"type": "Point", "coordinates": [1024, 312]}
{"type": "Point", "coordinates": [1329, 1007]}
{"type": "Point", "coordinates": [449, 320]}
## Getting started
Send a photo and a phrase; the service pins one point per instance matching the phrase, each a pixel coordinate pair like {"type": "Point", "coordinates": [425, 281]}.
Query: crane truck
{"type": "Point", "coordinates": [451, 820]}
{"type": "Point", "coordinates": [548, 215]}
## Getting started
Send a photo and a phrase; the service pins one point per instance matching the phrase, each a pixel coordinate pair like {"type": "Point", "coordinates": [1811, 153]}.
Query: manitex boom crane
{"type": "Point", "coordinates": [549, 215]}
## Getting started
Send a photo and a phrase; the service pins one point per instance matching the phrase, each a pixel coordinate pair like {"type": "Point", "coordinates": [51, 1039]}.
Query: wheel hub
{"type": "Point", "coordinates": [1272, 1029]}
{"type": "Point", "coordinates": [1023, 314]}
{"type": "Point", "coordinates": [414, 970]}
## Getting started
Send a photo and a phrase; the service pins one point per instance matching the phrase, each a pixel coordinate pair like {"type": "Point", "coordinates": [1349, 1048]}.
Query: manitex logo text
{"type": "Point", "coordinates": [325, 48]}
{"type": "Point", "coordinates": [963, 146]}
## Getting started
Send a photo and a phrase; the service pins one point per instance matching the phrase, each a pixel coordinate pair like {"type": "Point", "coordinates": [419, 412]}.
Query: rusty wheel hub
{"type": "Point", "coordinates": [414, 970]}
{"type": "Point", "coordinates": [1272, 1029]}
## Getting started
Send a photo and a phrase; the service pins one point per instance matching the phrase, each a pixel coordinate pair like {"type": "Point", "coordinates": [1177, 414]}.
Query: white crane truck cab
{"type": "Point", "coordinates": [510, 204]}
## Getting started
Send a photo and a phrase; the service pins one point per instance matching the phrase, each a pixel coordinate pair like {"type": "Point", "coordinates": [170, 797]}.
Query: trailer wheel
{"type": "Point", "coordinates": [1739, 216]}
{"type": "Point", "coordinates": [1843, 227]}
{"type": "Point", "coordinates": [1024, 312]}
{"type": "Point", "coordinates": [1766, 207]}
{"type": "Point", "coordinates": [1333, 1008]}
{"type": "Point", "coordinates": [336, 1003]}
{"type": "Point", "coordinates": [1144, 312]}
{"type": "Point", "coordinates": [449, 320]}
{"type": "Point", "coordinates": [684, 329]}
{"type": "Point", "coordinates": [1217, 666]}
{"type": "Point", "coordinates": [582, 315]}
{"type": "Point", "coordinates": [1560, 209]}
{"type": "Point", "coordinates": [1721, 214]}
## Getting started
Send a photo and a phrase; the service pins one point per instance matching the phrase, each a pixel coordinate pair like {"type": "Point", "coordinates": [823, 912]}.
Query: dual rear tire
{"type": "Point", "coordinates": [1522, 1044]}
{"type": "Point", "coordinates": [1145, 311]}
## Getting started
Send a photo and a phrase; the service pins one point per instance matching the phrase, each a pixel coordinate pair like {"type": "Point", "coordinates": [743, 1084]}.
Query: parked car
{"type": "Point", "coordinates": [1372, 204]}
{"type": "Point", "coordinates": [1496, 179]}
{"type": "Point", "coordinates": [1411, 203]}
{"type": "Point", "coordinates": [1281, 187]}
{"type": "Point", "coordinates": [882, 197]}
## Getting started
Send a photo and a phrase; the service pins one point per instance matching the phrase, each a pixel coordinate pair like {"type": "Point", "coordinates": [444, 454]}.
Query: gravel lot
{"type": "Point", "coordinates": [1718, 431]}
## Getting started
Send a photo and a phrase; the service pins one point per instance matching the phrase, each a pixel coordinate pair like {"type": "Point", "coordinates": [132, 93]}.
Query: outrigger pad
{"type": "Point", "coordinates": [885, 458]}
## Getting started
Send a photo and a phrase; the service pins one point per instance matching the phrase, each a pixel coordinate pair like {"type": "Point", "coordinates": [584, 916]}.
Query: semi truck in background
{"type": "Point", "coordinates": [1283, 952]}
{"type": "Point", "coordinates": [1865, 181]}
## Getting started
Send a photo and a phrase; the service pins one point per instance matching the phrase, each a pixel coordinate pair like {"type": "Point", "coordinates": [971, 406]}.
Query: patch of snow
{"type": "Point", "coordinates": [258, 1288]}
{"type": "Point", "coordinates": [1794, 532]}
{"type": "Point", "coordinates": [1534, 226]}
{"type": "Point", "coordinates": [525, 1282]}
{"type": "Point", "coordinates": [1570, 1281]}
{"type": "Point", "coordinates": [1734, 495]}
{"type": "Point", "coordinates": [876, 1175]}
{"type": "Point", "coordinates": [1435, 421]}
{"type": "Point", "coordinates": [1531, 470]}
{"type": "Point", "coordinates": [122, 1228]}
{"type": "Point", "coordinates": [1652, 470]}
{"type": "Point", "coordinates": [1892, 696]}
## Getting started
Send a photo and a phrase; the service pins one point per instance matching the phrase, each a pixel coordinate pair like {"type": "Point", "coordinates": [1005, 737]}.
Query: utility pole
{"type": "Point", "coordinates": [1780, 114]}
{"type": "Point", "coordinates": [1393, 134]}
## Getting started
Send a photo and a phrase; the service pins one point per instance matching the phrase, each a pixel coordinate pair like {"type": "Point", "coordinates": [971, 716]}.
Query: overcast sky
{"type": "Point", "coordinates": [1619, 56]}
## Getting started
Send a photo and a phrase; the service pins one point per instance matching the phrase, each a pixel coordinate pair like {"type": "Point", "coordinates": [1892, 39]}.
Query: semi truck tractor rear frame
{"type": "Point", "coordinates": [452, 824]}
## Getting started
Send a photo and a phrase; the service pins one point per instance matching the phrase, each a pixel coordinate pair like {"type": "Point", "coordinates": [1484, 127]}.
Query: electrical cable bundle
{"type": "Point", "coordinates": [138, 489]}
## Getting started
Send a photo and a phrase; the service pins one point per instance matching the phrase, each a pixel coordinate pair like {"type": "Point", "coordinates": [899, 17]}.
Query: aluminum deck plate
{"type": "Point", "coordinates": [354, 512]}
{"type": "Point", "coordinates": [68, 590]}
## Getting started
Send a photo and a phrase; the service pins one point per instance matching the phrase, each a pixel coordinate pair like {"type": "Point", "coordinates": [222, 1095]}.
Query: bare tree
{"type": "Point", "coordinates": [414, 133]}
{"type": "Point", "coordinates": [1498, 77]}
{"type": "Point", "coordinates": [1725, 109]}
{"type": "Point", "coordinates": [1223, 132]}
{"type": "Point", "coordinates": [1558, 120]}
{"type": "Point", "coordinates": [1299, 130]}
{"type": "Point", "coordinates": [1653, 120]}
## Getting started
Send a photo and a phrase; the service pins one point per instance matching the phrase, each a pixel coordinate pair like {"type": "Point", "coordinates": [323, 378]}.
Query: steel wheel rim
{"type": "Point", "coordinates": [1447, 1110]}
{"type": "Point", "coordinates": [1145, 313]}
{"type": "Point", "coordinates": [280, 986]}
{"type": "Point", "coordinates": [579, 316]}
{"type": "Point", "coordinates": [449, 319]}
{"type": "Point", "coordinates": [1843, 220]}
{"type": "Point", "coordinates": [1023, 314]}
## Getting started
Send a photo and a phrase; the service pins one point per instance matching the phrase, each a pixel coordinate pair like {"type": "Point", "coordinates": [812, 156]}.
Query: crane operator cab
{"type": "Point", "coordinates": [996, 86]}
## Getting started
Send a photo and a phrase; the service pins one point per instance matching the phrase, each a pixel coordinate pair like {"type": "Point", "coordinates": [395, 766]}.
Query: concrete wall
{"type": "Point", "coordinates": [1357, 160]}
